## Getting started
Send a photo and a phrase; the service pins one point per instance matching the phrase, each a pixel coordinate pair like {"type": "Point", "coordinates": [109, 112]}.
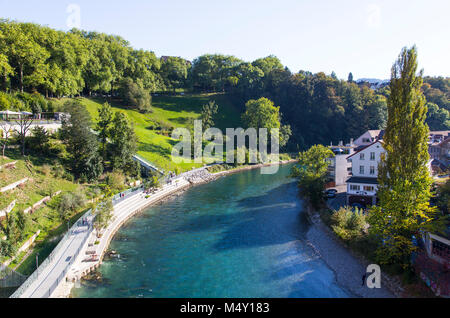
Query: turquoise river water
{"type": "Point", "coordinates": [241, 236]}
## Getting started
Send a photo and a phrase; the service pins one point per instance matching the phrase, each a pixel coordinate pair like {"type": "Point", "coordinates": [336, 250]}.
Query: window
{"type": "Point", "coordinates": [361, 156]}
{"type": "Point", "coordinates": [372, 170]}
{"type": "Point", "coordinates": [372, 156]}
{"type": "Point", "coordinates": [368, 188]}
{"type": "Point", "coordinates": [354, 187]}
{"type": "Point", "coordinates": [366, 140]}
{"type": "Point", "coordinates": [441, 249]}
{"type": "Point", "coordinates": [361, 169]}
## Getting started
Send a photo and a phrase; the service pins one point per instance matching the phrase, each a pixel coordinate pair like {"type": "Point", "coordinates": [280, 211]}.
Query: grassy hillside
{"type": "Point", "coordinates": [169, 111]}
{"type": "Point", "coordinates": [43, 181]}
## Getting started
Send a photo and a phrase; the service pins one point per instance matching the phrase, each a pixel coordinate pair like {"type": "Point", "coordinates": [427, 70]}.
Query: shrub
{"type": "Point", "coordinates": [348, 224]}
{"type": "Point", "coordinates": [58, 170]}
{"type": "Point", "coordinates": [115, 181]}
{"type": "Point", "coordinates": [71, 202]}
{"type": "Point", "coordinates": [46, 170]}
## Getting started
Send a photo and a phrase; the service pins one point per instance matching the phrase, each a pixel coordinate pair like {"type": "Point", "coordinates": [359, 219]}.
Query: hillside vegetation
{"type": "Point", "coordinates": [154, 129]}
{"type": "Point", "coordinates": [45, 178]}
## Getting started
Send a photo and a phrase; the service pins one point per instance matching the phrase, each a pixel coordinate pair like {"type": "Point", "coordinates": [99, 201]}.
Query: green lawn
{"type": "Point", "coordinates": [170, 111]}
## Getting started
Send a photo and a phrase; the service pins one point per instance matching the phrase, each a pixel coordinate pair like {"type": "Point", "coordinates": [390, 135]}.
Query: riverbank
{"type": "Point", "coordinates": [130, 207]}
{"type": "Point", "coordinates": [348, 267]}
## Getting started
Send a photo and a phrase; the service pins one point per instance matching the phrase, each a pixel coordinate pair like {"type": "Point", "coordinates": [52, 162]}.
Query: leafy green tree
{"type": "Point", "coordinates": [104, 215]}
{"type": "Point", "coordinates": [350, 77]}
{"type": "Point", "coordinates": [25, 55]}
{"type": "Point", "coordinates": [261, 113]}
{"type": "Point", "coordinates": [212, 72]}
{"type": "Point", "coordinates": [69, 203]}
{"type": "Point", "coordinates": [208, 112]}
{"type": "Point", "coordinates": [268, 64]}
{"type": "Point", "coordinates": [123, 141]}
{"type": "Point", "coordinates": [312, 172]}
{"type": "Point", "coordinates": [437, 118]}
{"type": "Point", "coordinates": [134, 95]}
{"type": "Point", "coordinates": [82, 144]}
{"type": "Point", "coordinates": [174, 70]}
{"type": "Point", "coordinates": [40, 139]}
{"type": "Point", "coordinates": [105, 116]}
{"type": "Point", "coordinates": [404, 179]}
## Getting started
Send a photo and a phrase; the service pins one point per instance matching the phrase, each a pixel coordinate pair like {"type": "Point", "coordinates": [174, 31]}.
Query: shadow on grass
{"type": "Point", "coordinates": [153, 148]}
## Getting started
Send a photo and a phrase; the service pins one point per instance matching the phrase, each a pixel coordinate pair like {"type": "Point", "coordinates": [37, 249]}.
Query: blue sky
{"type": "Point", "coordinates": [363, 37]}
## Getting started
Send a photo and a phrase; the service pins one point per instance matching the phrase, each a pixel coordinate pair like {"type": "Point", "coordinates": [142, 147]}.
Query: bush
{"type": "Point", "coordinates": [134, 95]}
{"type": "Point", "coordinates": [71, 202]}
{"type": "Point", "coordinates": [46, 170]}
{"type": "Point", "coordinates": [348, 224]}
{"type": "Point", "coordinates": [115, 181]}
{"type": "Point", "coordinates": [58, 170]}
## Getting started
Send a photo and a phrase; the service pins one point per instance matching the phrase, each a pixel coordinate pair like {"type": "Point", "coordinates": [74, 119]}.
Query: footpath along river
{"type": "Point", "coordinates": [242, 236]}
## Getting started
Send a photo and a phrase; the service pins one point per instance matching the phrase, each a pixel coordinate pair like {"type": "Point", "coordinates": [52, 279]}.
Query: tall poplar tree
{"type": "Point", "coordinates": [404, 179]}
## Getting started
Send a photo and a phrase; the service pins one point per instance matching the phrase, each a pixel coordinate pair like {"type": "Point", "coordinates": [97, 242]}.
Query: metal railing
{"type": "Point", "coordinates": [72, 260]}
{"type": "Point", "coordinates": [35, 275]}
{"type": "Point", "coordinates": [126, 194]}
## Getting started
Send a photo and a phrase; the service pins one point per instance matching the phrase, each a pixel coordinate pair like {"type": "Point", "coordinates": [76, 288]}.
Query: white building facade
{"type": "Point", "coordinates": [362, 186]}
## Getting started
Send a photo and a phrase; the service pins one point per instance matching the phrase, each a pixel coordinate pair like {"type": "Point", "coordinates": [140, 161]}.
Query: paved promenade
{"type": "Point", "coordinates": [55, 269]}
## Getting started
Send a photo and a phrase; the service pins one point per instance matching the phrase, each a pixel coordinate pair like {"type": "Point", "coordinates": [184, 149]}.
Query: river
{"type": "Point", "coordinates": [241, 236]}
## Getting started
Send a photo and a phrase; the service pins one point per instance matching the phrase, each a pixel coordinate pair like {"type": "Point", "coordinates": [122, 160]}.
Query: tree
{"type": "Point", "coordinates": [208, 112]}
{"type": "Point", "coordinates": [350, 77]}
{"type": "Point", "coordinates": [24, 123]}
{"type": "Point", "coordinates": [6, 131]}
{"type": "Point", "coordinates": [105, 116]}
{"type": "Point", "coordinates": [25, 53]}
{"type": "Point", "coordinates": [39, 139]}
{"type": "Point", "coordinates": [104, 215]}
{"type": "Point", "coordinates": [82, 144]}
{"type": "Point", "coordinates": [174, 70]}
{"type": "Point", "coordinates": [261, 113]}
{"type": "Point", "coordinates": [123, 141]}
{"type": "Point", "coordinates": [311, 172]}
{"type": "Point", "coordinates": [268, 64]}
{"type": "Point", "coordinates": [70, 202]}
{"type": "Point", "coordinates": [437, 118]}
{"type": "Point", "coordinates": [134, 95]}
{"type": "Point", "coordinates": [404, 179]}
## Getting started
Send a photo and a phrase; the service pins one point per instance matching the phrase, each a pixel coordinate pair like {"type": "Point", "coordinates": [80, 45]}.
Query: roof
{"type": "Point", "coordinates": [444, 133]}
{"type": "Point", "coordinates": [373, 143]}
{"type": "Point", "coordinates": [375, 133]}
{"type": "Point", "coordinates": [364, 180]}
{"type": "Point", "coordinates": [8, 112]}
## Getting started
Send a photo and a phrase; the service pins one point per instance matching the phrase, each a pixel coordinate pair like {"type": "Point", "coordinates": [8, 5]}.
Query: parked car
{"type": "Point", "coordinates": [330, 193]}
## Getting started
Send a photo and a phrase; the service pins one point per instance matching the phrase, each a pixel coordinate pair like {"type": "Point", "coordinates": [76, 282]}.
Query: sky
{"type": "Point", "coordinates": [359, 36]}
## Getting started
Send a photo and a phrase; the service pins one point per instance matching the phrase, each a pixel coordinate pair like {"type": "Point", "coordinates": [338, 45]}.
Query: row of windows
{"type": "Point", "coordinates": [441, 249]}
{"type": "Point", "coordinates": [371, 171]}
{"type": "Point", "coordinates": [372, 156]}
{"type": "Point", "coordinates": [355, 187]}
